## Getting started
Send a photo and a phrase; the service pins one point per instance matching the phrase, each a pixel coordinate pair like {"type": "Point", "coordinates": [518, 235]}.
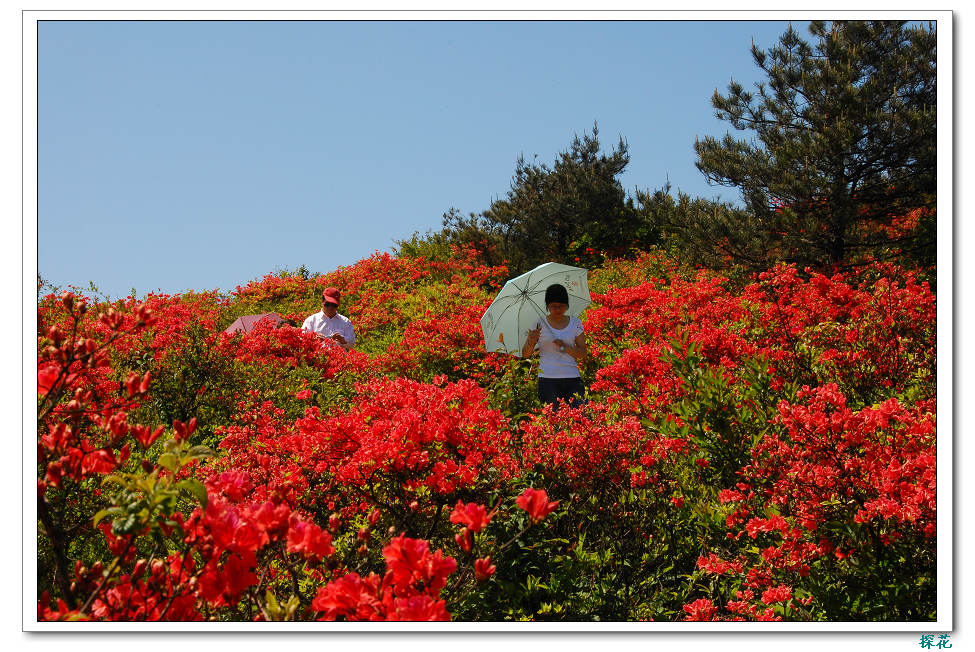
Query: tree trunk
{"type": "Point", "coordinates": [55, 535]}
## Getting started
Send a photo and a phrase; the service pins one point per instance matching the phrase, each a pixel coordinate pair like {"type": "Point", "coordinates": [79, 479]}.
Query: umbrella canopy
{"type": "Point", "coordinates": [521, 303]}
{"type": "Point", "coordinates": [246, 323]}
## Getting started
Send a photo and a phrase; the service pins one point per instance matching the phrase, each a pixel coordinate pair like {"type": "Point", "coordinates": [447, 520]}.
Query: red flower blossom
{"type": "Point", "coordinates": [474, 516]}
{"type": "Point", "coordinates": [781, 593]}
{"type": "Point", "coordinates": [702, 609]}
{"type": "Point", "coordinates": [409, 561]}
{"type": "Point", "coordinates": [535, 502]}
{"type": "Point", "coordinates": [483, 569]}
{"type": "Point", "coordinates": [182, 431]}
{"type": "Point", "coordinates": [350, 597]}
{"type": "Point", "coordinates": [714, 564]}
{"type": "Point", "coordinates": [46, 377]}
{"type": "Point", "coordinates": [145, 436]}
{"type": "Point", "coordinates": [420, 608]}
{"type": "Point", "coordinates": [309, 540]}
{"type": "Point", "coordinates": [464, 539]}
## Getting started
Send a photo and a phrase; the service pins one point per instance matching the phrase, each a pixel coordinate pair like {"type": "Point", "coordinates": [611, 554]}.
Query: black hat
{"type": "Point", "coordinates": [556, 294]}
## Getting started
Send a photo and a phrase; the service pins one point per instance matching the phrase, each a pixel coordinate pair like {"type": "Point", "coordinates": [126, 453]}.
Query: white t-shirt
{"type": "Point", "coordinates": [322, 325]}
{"type": "Point", "coordinates": [555, 363]}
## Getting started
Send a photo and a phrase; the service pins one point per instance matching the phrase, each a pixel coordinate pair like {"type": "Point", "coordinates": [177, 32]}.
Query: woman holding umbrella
{"type": "Point", "coordinates": [561, 343]}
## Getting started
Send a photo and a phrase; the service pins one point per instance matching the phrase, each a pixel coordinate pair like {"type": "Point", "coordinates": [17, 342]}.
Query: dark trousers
{"type": "Point", "coordinates": [571, 390]}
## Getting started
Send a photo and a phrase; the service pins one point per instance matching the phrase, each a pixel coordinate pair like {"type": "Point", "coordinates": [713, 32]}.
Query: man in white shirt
{"type": "Point", "coordinates": [329, 323]}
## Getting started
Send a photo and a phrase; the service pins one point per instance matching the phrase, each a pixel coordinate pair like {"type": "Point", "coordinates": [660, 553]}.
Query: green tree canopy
{"type": "Point", "coordinates": [702, 232]}
{"type": "Point", "coordinates": [574, 209]}
{"type": "Point", "coordinates": [844, 144]}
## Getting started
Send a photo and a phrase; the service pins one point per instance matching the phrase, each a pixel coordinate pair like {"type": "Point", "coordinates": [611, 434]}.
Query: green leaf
{"type": "Point", "coordinates": [125, 526]}
{"type": "Point", "coordinates": [168, 461]}
{"type": "Point", "coordinates": [272, 603]}
{"type": "Point", "coordinates": [146, 485]}
{"type": "Point", "coordinates": [200, 451]}
{"type": "Point", "coordinates": [110, 511]}
{"type": "Point", "coordinates": [196, 488]}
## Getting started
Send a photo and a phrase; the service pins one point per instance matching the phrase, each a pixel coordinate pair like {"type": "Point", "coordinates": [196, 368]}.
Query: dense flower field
{"type": "Point", "coordinates": [754, 449]}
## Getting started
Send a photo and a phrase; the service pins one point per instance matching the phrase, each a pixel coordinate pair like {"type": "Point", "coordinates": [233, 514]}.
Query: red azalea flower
{"type": "Point", "coordinates": [780, 593]}
{"type": "Point", "coordinates": [464, 539]}
{"type": "Point", "coordinates": [145, 436]}
{"type": "Point", "coordinates": [46, 378]}
{"type": "Point", "coordinates": [535, 502]}
{"type": "Point", "coordinates": [98, 461]}
{"type": "Point", "coordinates": [483, 569]}
{"type": "Point", "coordinates": [409, 560]}
{"type": "Point", "coordinates": [474, 516]}
{"type": "Point", "coordinates": [182, 431]}
{"type": "Point", "coordinates": [350, 597]}
{"type": "Point", "coordinates": [309, 540]}
{"type": "Point", "coordinates": [238, 574]}
{"type": "Point", "coordinates": [417, 608]}
{"type": "Point", "coordinates": [702, 609]}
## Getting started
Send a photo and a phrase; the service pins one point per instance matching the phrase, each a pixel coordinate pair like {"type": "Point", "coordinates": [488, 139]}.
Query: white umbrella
{"type": "Point", "coordinates": [521, 303]}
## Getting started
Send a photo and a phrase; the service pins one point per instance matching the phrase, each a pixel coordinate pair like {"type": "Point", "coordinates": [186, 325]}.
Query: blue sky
{"type": "Point", "coordinates": [178, 155]}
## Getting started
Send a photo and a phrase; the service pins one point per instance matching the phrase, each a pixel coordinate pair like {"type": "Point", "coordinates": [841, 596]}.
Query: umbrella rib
{"type": "Point", "coordinates": [506, 309]}
{"type": "Point", "coordinates": [571, 294]}
{"type": "Point", "coordinates": [530, 287]}
{"type": "Point", "coordinates": [533, 285]}
{"type": "Point", "coordinates": [537, 310]}
{"type": "Point", "coordinates": [580, 297]}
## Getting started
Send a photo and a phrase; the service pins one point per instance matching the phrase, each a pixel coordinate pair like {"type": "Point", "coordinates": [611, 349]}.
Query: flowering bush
{"type": "Point", "coordinates": [753, 449]}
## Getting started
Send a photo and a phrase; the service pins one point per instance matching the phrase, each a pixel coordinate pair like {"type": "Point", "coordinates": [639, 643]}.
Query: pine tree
{"type": "Point", "coordinates": [573, 209]}
{"type": "Point", "coordinates": [845, 144]}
